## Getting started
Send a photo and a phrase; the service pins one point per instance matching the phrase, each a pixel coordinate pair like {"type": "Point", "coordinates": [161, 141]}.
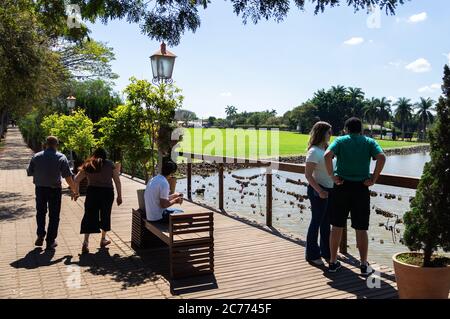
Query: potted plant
{"type": "Point", "coordinates": [426, 274]}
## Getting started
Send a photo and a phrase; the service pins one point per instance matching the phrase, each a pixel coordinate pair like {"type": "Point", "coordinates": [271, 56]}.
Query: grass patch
{"type": "Point", "coordinates": [417, 260]}
{"type": "Point", "coordinates": [241, 143]}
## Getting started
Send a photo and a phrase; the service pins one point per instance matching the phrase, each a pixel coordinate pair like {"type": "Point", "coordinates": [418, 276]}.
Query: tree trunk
{"type": "Point", "coordinates": [427, 253]}
{"type": "Point", "coordinates": [146, 175]}
{"type": "Point", "coordinates": [160, 161]}
{"type": "Point", "coordinates": [152, 151]}
{"type": "Point", "coordinates": [403, 131]}
{"type": "Point", "coordinates": [382, 124]}
{"type": "Point", "coordinates": [3, 124]}
{"type": "Point", "coordinates": [424, 130]}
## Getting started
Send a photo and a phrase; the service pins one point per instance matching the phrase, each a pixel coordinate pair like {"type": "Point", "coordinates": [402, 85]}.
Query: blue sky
{"type": "Point", "coordinates": [279, 66]}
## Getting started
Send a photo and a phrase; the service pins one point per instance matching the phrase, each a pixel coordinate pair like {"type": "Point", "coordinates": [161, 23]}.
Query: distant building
{"type": "Point", "coordinates": [195, 123]}
{"type": "Point", "coordinates": [376, 127]}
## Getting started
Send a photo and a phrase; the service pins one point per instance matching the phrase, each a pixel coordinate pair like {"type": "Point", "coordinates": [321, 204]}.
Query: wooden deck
{"type": "Point", "coordinates": [254, 262]}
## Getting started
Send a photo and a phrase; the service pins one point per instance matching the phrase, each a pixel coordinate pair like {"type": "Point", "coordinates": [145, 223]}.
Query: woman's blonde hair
{"type": "Point", "coordinates": [318, 134]}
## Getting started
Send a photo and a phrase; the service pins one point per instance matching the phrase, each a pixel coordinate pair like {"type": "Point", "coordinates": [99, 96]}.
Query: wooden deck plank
{"type": "Point", "coordinates": [284, 287]}
{"type": "Point", "coordinates": [251, 262]}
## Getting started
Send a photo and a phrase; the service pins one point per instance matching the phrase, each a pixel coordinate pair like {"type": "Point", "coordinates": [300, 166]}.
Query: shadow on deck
{"type": "Point", "coordinates": [253, 261]}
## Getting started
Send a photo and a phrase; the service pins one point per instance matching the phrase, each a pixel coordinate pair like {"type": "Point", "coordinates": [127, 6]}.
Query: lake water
{"type": "Point", "coordinates": [292, 216]}
{"type": "Point", "coordinates": [408, 165]}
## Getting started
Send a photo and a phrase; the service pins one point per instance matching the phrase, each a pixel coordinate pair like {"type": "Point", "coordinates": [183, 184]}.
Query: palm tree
{"type": "Point", "coordinates": [370, 112]}
{"type": "Point", "coordinates": [424, 108]}
{"type": "Point", "coordinates": [356, 98]}
{"type": "Point", "coordinates": [403, 113]}
{"type": "Point", "coordinates": [230, 110]}
{"type": "Point", "coordinates": [338, 90]}
{"type": "Point", "coordinates": [384, 112]}
{"type": "Point", "coordinates": [320, 94]}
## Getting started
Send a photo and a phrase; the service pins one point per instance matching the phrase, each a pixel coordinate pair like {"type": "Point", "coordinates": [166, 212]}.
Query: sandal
{"type": "Point", "coordinates": [104, 243]}
{"type": "Point", "coordinates": [85, 248]}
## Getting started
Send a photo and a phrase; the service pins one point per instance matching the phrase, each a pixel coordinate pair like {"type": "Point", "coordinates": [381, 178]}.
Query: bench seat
{"type": "Point", "coordinates": [189, 237]}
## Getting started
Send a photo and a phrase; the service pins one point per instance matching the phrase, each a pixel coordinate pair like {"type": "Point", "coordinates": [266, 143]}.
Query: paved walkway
{"type": "Point", "coordinates": [249, 262]}
{"type": "Point", "coordinates": [26, 272]}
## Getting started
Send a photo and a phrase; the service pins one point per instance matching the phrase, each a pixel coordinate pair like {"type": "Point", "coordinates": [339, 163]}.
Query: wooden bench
{"type": "Point", "coordinates": [189, 237]}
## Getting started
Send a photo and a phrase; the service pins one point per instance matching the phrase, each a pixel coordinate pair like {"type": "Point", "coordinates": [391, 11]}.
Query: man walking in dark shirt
{"type": "Point", "coordinates": [47, 167]}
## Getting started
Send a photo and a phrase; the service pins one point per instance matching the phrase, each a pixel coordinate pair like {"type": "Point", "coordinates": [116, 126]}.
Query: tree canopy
{"type": "Point", "coordinates": [95, 97]}
{"type": "Point", "coordinates": [87, 59]}
{"type": "Point", "coordinates": [167, 20]}
{"type": "Point", "coordinates": [38, 55]}
{"type": "Point", "coordinates": [29, 70]}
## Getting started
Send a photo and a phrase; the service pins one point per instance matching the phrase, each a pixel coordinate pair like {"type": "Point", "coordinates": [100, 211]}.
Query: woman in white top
{"type": "Point", "coordinates": [319, 189]}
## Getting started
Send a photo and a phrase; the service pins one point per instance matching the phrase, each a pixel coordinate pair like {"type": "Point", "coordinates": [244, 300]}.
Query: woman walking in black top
{"type": "Point", "coordinates": [100, 174]}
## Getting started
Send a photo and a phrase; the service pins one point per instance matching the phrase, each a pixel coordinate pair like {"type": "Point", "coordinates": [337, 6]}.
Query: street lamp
{"type": "Point", "coordinates": [71, 102]}
{"type": "Point", "coordinates": [162, 65]}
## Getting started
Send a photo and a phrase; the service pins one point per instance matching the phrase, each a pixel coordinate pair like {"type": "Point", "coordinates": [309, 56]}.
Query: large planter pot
{"type": "Point", "coordinates": [416, 282]}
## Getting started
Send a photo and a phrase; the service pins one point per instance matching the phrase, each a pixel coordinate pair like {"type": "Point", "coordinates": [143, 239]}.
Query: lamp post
{"type": "Point", "coordinates": [162, 65]}
{"type": "Point", "coordinates": [71, 102]}
{"type": "Point", "coordinates": [162, 62]}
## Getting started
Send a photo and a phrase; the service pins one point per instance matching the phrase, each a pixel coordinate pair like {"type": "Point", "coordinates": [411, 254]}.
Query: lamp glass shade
{"type": "Point", "coordinates": [162, 66]}
{"type": "Point", "coordinates": [162, 63]}
{"type": "Point", "coordinates": [71, 101]}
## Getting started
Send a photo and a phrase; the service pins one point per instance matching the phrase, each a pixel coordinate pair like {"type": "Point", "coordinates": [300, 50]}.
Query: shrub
{"type": "Point", "coordinates": [427, 225]}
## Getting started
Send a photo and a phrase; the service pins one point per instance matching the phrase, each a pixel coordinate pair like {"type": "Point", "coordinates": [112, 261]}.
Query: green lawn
{"type": "Point", "coordinates": [239, 143]}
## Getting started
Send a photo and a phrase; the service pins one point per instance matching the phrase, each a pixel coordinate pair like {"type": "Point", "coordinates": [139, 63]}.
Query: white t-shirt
{"type": "Point", "coordinates": [316, 155]}
{"type": "Point", "coordinates": [158, 187]}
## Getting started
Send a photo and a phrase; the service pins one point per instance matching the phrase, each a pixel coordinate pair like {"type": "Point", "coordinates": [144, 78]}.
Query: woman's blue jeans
{"type": "Point", "coordinates": [320, 222]}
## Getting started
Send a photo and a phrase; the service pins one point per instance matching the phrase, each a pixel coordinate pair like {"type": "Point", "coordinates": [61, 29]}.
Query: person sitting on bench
{"type": "Point", "coordinates": [157, 195]}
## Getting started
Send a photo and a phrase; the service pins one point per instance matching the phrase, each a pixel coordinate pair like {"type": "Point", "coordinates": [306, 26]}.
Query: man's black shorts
{"type": "Point", "coordinates": [353, 197]}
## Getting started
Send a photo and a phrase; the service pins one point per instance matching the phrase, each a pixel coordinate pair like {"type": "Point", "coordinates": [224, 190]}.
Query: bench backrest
{"type": "Point", "coordinates": [191, 226]}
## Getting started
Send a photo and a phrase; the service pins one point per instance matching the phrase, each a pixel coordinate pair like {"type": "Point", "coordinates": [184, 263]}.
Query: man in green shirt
{"type": "Point", "coordinates": [351, 194]}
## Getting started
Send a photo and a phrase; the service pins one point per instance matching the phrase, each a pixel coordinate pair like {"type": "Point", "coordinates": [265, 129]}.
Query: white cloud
{"type": "Point", "coordinates": [354, 41]}
{"type": "Point", "coordinates": [430, 88]}
{"type": "Point", "coordinates": [416, 18]}
{"type": "Point", "coordinates": [448, 57]}
{"type": "Point", "coordinates": [225, 94]}
{"type": "Point", "coordinates": [397, 64]}
{"type": "Point", "coordinates": [419, 66]}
